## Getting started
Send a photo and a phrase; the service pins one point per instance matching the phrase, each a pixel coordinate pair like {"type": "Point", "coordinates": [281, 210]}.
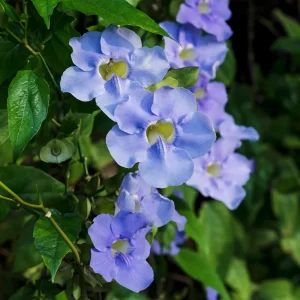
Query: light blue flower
{"type": "Point", "coordinates": [163, 132]}
{"type": "Point", "coordinates": [222, 173]}
{"type": "Point", "coordinates": [110, 65]}
{"type": "Point", "coordinates": [209, 15]}
{"type": "Point", "coordinates": [121, 249]}
{"type": "Point", "coordinates": [211, 294]}
{"type": "Point", "coordinates": [193, 49]}
{"type": "Point", "coordinates": [138, 196]}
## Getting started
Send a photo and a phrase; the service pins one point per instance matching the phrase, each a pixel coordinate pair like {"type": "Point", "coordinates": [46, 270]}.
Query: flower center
{"type": "Point", "coordinates": [204, 8]}
{"type": "Point", "coordinates": [187, 54]}
{"type": "Point", "coordinates": [120, 246]}
{"type": "Point", "coordinates": [119, 68]}
{"type": "Point", "coordinates": [165, 130]}
{"type": "Point", "coordinates": [214, 170]}
{"type": "Point", "coordinates": [200, 93]}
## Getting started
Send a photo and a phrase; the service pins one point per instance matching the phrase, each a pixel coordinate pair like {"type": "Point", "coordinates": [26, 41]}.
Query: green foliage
{"type": "Point", "coordinates": [290, 25]}
{"type": "Point", "coordinates": [49, 242]}
{"type": "Point", "coordinates": [28, 100]}
{"type": "Point", "coordinates": [198, 267]}
{"type": "Point", "coordinates": [115, 12]}
{"type": "Point", "coordinates": [4, 133]}
{"type": "Point", "coordinates": [186, 77]}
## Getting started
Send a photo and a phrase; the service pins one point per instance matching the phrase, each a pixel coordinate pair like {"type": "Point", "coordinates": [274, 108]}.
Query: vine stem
{"type": "Point", "coordinates": [40, 206]}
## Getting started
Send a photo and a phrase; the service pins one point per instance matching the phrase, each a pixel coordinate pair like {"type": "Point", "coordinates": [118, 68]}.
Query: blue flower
{"type": "Point", "coordinates": [222, 173]}
{"type": "Point", "coordinates": [211, 294]}
{"type": "Point", "coordinates": [193, 49]}
{"type": "Point", "coordinates": [209, 15]}
{"type": "Point", "coordinates": [110, 65]}
{"type": "Point", "coordinates": [138, 196]}
{"type": "Point", "coordinates": [162, 132]}
{"type": "Point", "coordinates": [121, 249]}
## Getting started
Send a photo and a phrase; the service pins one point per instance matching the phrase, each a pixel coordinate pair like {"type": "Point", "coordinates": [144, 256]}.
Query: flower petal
{"type": "Point", "coordinates": [84, 86]}
{"type": "Point", "coordinates": [173, 104]}
{"type": "Point", "coordinates": [127, 149]}
{"type": "Point", "coordinates": [135, 113]}
{"type": "Point", "coordinates": [135, 276]}
{"type": "Point", "coordinates": [117, 91]}
{"type": "Point", "coordinates": [166, 166]}
{"type": "Point", "coordinates": [211, 294]}
{"type": "Point", "coordinates": [189, 15]}
{"type": "Point", "coordinates": [126, 224]}
{"type": "Point", "coordinates": [158, 209]}
{"type": "Point", "coordinates": [222, 148]}
{"type": "Point", "coordinates": [171, 28]}
{"type": "Point", "coordinates": [100, 232]}
{"type": "Point", "coordinates": [195, 134]}
{"type": "Point", "coordinates": [229, 129]}
{"type": "Point", "coordinates": [134, 184]}
{"type": "Point", "coordinates": [117, 42]}
{"type": "Point", "coordinates": [125, 202]}
{"type": "Point", "coordinates": [103, 263]}
{"type": "Point", "coordinates": [140, 244]}
{"type": "Point", "coordinates": [179, 220]}
{"type": "Point", "coordinates": [217, 92]}
{"type": "Point", "coordinates": [86, 50]}
{"type": "Point", "coordinates": [148, 65]}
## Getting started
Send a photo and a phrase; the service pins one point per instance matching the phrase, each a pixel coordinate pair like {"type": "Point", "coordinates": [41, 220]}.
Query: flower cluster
{"type": "Point", "coordinates": [121, 247]}
{"type": "Point", "coordinates": [168, 133]}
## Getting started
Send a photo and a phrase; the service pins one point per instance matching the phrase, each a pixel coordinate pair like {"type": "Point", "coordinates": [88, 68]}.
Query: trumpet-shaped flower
{"type": "Point", "coordinates": [209, 15]}
{"type": "Point", "coordinates": [222, 173]}
{"type": "Point", "coordinates": [193, 49]}
{"type": "Point", "coordinates": [163, 132]}
{"type": "Point", "coordinates": [121, 249]}
{"type": "Point", "coordinates": [110, 65]}
{"type": "Point", "coordinates": [138, 196]}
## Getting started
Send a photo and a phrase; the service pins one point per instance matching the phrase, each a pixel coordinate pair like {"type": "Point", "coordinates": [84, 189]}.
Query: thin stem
{"type": "Point", "coordinates": [83, 160]}
{"type": "Point", "coordinates": [48, 70]}
{"type": "Point", "coordinates": [55, 122]}
{"type": "Point", "coordinates": [26, 23]}
{"type": "Point", "coordinates": [14, 36]}
{"type": "Point", "coordinates": [101, 189]}
{"type": "Point", "coordinates": [7, 199]}
{"type": "Point", "coordinates": [18, 199]}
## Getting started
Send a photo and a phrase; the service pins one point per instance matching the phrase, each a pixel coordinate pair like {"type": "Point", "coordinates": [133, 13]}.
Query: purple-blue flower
{"type": "Point", "coordinates": [228, 129]}
{"type": "Point", "coordinates": [222, 173]}
{"type": "Point", "coordinates": [163, 132]}
{"type": "Point", "coordinates": [212, 98]}
{"type": "Point", "coordinates": [209, 15]}
{"type": "Point", "coordinates": [110, 65]}
{"type": "Point", "coordinates": [138, 196]}
{"type": "Point", "coordinates": [193, 48]}
{"type": "Point", "coordinates": [121, 249]}
{"type": "Point", "coordinates": [211, 294]}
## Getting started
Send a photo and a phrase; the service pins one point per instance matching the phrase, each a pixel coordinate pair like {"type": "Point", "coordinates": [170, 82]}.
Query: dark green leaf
{"type": "Point", "coordinates": [115, 12]}
{"type": "Point", "coordinates": [4, 133]}
{"type": "Point", "coordinates": [291, 26]}
{"type": "Point", "coordinates": [45, 9]}
{"type": "Point", "coordinates": [24, 293]}
{"type": "Point", "coordinates": [197, 266]}
{"type": "Point", "coordinates": [24, 180]}
{"type": "Point", "coordinates": [49, 242]}
{"type": "Point", "coordinates": [28, 100]}
{"type": "Point", "coordinates": [12, 58]}
{"type": "Point", "coordinates": [10, 11]}
{"type": "Point", "coordinates": [120, 293]}
{"type": "Point", "coordinates": [186, 77]}
{"type": "Point", "coordinates": [288, 44]}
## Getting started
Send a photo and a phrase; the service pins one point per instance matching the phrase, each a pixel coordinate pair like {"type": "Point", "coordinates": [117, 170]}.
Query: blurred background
{"type": "Point", "coordinates": [255, 249]}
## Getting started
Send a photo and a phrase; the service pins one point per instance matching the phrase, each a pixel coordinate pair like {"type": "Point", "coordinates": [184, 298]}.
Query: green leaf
{"type": "Point", "coordinates": [186, 77]}
{"type": "Point", "coordinates": [168, 81]}
{"type": "Point", "coordinates": [49, 242]}
{"type": "Point", "coordinates": [238, 278]}
{"type": "Point", "coordinates": [26, 255]}
{"type": "Point", "coordinates": [10, 11]}
{"type": "Point", "coordinates": [24, 293]}
{"type": "Point", "coordinates": [275, 290]}
{"type": "Point", "coordinates": [226, 73]}
{"type": "Point", "coordinates": [285, 208]}
{"type": "Point", "coordinates": [4, 133]}
{"type": "Point", "coordinates": [215, 237]}
{"type": "Point", "coordinates": [23, 181]}
{"type": "Point", "coordinates": [45, 9]}
{"type": "Point", "coordinates": [28, 100]}
{"type": "Point", "coordinates": [133, 2]}
{"type": "Point", "coordinates": [288, 44]}
{"type": "Point", "coordinates": [121, 293]}
{"type": "Point", "coordinates": [12, 58]}
{"type": "Point", "coordinates": [290, 25]}
{"type": "Point", "coordinates": [198, 267]}
{"type": "Point", "coordinates": [117, 12]}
